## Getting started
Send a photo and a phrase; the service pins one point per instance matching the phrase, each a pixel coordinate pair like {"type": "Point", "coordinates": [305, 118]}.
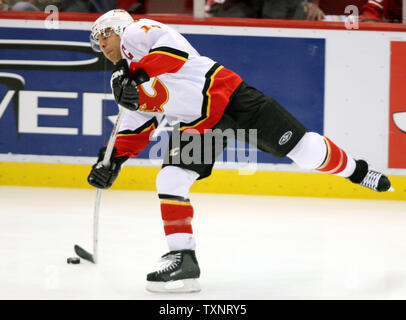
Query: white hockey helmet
{"type": "Point", "coordinates": [116, 20]}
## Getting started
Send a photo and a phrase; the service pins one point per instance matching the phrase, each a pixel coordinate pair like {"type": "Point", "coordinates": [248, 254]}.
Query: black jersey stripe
{"type": "Point", "coordinates": [205, 97]}
{"type": "Point", "coordinates": [170, 50]}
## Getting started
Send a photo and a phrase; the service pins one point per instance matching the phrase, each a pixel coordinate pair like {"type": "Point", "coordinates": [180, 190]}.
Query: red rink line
{"type": "Point", "coordinates": [233, 22]}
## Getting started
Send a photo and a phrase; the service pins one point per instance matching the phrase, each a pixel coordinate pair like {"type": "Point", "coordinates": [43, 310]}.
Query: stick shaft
{"type": "Point", "coordinates": [96, 225]}
{"type": "Point", "coordinates": [112, 140]}
{"type": "Point", "coordinates": [106, 163]}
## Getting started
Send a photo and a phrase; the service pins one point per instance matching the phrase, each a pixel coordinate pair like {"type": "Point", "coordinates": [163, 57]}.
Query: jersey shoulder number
{"type": "Point", "coordinates": [147, 28]}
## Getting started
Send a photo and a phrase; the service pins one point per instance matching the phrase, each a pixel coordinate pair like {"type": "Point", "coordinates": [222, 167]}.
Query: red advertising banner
{"type": "Point", "coordinates": [397, 106]}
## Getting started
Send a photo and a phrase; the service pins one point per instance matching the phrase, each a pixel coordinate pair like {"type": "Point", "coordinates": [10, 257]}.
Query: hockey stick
{"type": "Point", "coordinates": [82, 253]}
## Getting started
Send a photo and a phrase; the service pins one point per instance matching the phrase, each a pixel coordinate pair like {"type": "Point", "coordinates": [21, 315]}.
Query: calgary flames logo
{"type": "Point", "coordinates": [154, 102]}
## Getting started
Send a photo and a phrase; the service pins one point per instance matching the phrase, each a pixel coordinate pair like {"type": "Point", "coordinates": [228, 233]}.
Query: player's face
{"type": "Point", "coordinates": [109, 43]}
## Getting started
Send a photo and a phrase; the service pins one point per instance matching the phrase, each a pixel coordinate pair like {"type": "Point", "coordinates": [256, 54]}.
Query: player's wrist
{"type": "Point", "coordinates": [139, 75]}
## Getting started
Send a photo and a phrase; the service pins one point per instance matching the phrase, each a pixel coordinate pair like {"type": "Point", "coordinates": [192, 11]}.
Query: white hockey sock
{"type": "Point", "coordinates": [173, 184]}
{"type": "Point", "coordinates": [314, 151]}
{"type": "Point", "coordinates": [181, 241]}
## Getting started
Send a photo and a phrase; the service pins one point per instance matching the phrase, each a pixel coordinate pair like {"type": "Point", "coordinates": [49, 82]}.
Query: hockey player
{"type": "Point", "coordinates": [157, 72]}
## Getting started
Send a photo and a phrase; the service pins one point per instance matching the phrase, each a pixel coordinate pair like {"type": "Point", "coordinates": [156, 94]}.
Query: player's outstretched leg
{"type": "Point", "coordinates": [314, 151]}
{"type": "Point", "coordinates": [178, 273]}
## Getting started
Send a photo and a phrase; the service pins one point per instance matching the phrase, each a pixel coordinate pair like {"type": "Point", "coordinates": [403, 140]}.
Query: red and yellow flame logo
{"type": "Point", "coordinates": [154, 103]}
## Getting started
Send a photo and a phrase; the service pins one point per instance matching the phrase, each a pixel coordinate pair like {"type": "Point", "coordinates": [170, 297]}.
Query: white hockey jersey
{"type": "Point", "coordinates": [189, 89]}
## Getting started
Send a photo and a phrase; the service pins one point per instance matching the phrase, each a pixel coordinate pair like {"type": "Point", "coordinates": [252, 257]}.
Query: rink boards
{"type": "Point", "coordinates": [346, 84]}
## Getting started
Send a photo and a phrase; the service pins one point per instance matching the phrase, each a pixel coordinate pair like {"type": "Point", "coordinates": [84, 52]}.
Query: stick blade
{"type": "Point", "coordinates": [82, 253]}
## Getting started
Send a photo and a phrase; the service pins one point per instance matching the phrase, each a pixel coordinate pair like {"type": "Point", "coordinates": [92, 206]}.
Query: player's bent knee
{"type": "Point", "coordinates": [310, 151]}
{"type": "Point", "coordinates": [175, 181]}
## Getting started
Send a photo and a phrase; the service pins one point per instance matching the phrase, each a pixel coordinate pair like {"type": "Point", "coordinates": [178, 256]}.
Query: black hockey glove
{"type": "Point", "coordinates": [125, 85]}
{"type": "Point", "coordinates": [122, 67]}
{"type": "Point", "coordinates": [140, 76]}
{"type": "Point", "coordinates": [102, 177]}
{"type": "Point", "coordinates": [125, 92]}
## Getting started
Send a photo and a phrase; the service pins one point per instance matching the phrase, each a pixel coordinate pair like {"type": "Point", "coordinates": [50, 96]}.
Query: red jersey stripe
{"type": "Point", "coordinates": [132, 144]}
{"type": "Point", "coordinates": [158, 62]}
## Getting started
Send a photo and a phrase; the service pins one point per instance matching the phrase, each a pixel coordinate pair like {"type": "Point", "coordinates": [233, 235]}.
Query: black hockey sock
{"type": "Point", "coordinates": [361, 170]}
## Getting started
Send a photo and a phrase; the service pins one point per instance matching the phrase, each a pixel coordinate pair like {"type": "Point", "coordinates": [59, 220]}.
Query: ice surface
{"type": "Point", "coordinates": [248, 247]}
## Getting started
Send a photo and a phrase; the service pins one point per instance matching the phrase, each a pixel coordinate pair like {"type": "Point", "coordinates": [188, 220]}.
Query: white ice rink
{"type": "Point", "coordinates": [249, 247]}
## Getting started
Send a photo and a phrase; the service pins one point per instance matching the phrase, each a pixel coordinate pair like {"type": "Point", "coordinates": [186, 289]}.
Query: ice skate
{"type": "Point", "coordinates": [371, 179]}
{"type": "Point", "coordinates": [178, 273]}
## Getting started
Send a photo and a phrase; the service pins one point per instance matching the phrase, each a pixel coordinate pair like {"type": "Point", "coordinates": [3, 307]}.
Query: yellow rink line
{"type": "Point", "coordinates": [221, 181]}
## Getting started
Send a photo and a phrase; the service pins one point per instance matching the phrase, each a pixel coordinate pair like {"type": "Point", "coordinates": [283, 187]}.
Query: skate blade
{"type": "Point", "coordinates": [177, 286]}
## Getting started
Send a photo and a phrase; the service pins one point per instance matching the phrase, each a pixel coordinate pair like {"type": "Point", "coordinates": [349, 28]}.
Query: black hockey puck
{"type": "Point", "coordinates": [73, 260]}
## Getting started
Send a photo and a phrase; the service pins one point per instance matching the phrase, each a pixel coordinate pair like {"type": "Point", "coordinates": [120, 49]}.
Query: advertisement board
{"type": "Point", "coordinates": [397, 106]}
{"type": "Point", "coordinates": [56, 98]}
{"type": "Point", "coordinates": [57, 110]}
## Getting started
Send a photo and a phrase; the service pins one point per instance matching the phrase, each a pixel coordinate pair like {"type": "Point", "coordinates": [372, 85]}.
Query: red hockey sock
{"type": "Point", "coordinates": [336, 159]}
{"type": "Point", "coordinates": [177, 216]}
